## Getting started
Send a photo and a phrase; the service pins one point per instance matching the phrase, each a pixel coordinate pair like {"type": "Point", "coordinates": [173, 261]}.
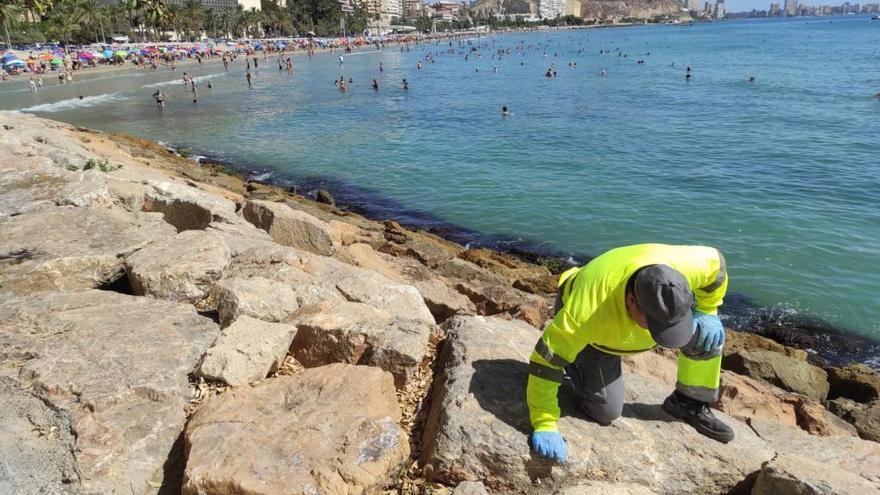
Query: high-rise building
{"type": "Point", "coordinates": [774, 10]}
{"type": "Point", "coordinates": [720, 10]}
{"type": "Point", "coordinates": [392, 8]}
{"type": "Point", "coordinates": [412, 9]}
{"type": "Point", "coordinates": [693, 5]}
{"type": "Point", "coordinates": [551, 9]}
{"type": "Point", "coordinates": [791, 8]}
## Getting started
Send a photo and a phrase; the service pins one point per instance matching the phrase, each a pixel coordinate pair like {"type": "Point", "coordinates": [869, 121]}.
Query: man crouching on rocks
{"type": "Point", "coordinates": [627, 301]}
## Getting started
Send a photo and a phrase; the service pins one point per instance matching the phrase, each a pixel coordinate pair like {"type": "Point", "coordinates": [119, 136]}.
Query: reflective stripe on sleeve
{"type": "Point", "coordinates": [545, 352]}
{"type": "Point", "coordinates": [720, 277]}
{"type": "Point", "coordinates": [545, 372]}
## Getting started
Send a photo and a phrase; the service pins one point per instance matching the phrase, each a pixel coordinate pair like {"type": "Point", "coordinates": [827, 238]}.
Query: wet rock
{"type": "Point", "coordinates": [457, 268]}
{"type": "Point", "coordinates": [780, 370]}
{"type": "Point", "coordinates": [72, 248]}
{"type": "Point", "coordinates": [36, 445]}
{"type": "Point", "coordinates": [247, 351]}
{"type": "Point", "coordinates": [856, 381]}
{"type": "Point", "coordinates": [864, 417]}
{"type": "Point", "coordinates": [117, 367]}
{"type": "Point", "coordinates": [324, 196]}
{"type": "Point", "coordinates": [359, 334]}
{"type": "Point", "coordinates": [266, 299]}
{"type": "Point", "coordinates": [182, 268]}
{"type": "Point", "coordinates": [478, 426]}
{"type": "Point", "coordinates": [186, 207]}
{"type": "Point", "coordinates": [347, 234]}
{"type": "Point", "coordinates": [290, 227]}
{"type": "Point", "coordinates": [331, 429]}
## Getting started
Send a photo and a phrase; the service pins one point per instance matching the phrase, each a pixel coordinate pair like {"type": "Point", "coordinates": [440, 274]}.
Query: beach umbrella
{"type": "Point", "coordinates": [56, 61]}
{"type": "Point", "coordinates": [15, 63]}
{"type": "Point", "coordinates": [46, 56]}
{"type": "Point", "coordinates": [7, 57]}
{"type": "Point", "coordinates": [121, 53]}
{"type": "Point", "coordinates": [107, 53]}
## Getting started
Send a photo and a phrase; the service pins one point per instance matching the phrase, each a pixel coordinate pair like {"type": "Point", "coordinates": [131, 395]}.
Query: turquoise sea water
{"type": "Point", "coordinates": [782, 174]}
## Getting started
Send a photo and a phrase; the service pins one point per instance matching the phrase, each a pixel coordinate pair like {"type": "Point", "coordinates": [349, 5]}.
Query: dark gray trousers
{"type": "Point", "coordinates": [595, 378]}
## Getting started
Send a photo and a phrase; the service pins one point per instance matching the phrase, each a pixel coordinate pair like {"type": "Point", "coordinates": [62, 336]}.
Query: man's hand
{"type": "Point", "coordinates": [711, 331]}
{"type": "Point", "coordinates": [549, 444]}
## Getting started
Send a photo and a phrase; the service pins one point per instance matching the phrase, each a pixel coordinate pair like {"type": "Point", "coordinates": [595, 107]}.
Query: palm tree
{"type": "Point", "coordinates": [62, 24]}
{"type": "Point", "coordinates": [90, 13]}
{"type": "Point", "coordinates": [10, 13]}
{"type": "Point", "coordinates": [156, 14]}
{"type": "Point", "coordinates": [191, 13]}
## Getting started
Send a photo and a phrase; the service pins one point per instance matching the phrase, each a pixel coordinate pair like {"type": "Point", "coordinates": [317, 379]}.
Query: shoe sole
{"type": "Point", "coordinates": [674, 411]}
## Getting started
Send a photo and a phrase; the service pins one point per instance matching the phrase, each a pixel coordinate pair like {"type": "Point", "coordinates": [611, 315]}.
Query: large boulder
{"type": "Point", "coordinates": [360, 334]}
{"type": "Point", "coordinates": [182, 268]}
{"type": "Point", "coordinates": [331, 429]}
{"type": "Point", "coordinates": [72, 248]}
{"type": "Point", "coordinates": [247, 351]}
{"type": "Point", "coordinates": [840, 465]}
{"type": "Point", "coordinates": [780, 370]}
{"type": "Point", "coordinates": [265, 298]}
{"type": "Point", "coordinates": [736, 341]}
{"type": "Point", "coordinates": [291, 227]}
{"type": "Point", "coordinates": [478, 426]}
{"type": "Point", "coordinates": [856, 381]}
{"type": "Point", "coordinates": [187, 207]}
{"type": "Point", "coordinates": [117, 367]}
{"type": "Point", "coordinates": [36, 445]}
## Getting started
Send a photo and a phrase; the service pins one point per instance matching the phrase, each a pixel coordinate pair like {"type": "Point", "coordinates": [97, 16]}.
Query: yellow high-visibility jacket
{"type": "Point", "coordinates": [594, 313]}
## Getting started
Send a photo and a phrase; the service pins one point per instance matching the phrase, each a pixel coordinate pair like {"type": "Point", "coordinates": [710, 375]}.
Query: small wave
{"type": "Point", "coordinates": [180, 81]}
{"type": "Point", "coordinates": [261, 177]}
{"type": "Point", "coordinates": [70, 104]}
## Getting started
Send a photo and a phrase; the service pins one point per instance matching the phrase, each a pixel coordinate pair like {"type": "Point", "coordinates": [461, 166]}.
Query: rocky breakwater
{"type": "Point", "coordinates": [166, 328]}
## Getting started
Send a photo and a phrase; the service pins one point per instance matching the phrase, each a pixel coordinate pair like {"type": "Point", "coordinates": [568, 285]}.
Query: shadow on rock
{"type": "Point", "coordinates": [499, 385]}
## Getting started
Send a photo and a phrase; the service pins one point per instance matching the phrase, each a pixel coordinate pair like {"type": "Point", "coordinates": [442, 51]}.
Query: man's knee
{"type": "Point", "coordinates": [602, 413]}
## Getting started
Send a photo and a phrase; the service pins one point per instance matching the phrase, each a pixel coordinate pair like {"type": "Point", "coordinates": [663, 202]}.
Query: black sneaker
{"type": "Point", "coordinates": [698, 415]}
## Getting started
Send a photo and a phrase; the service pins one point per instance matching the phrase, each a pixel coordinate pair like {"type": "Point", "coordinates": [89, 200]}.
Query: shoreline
{"type": "Point", "coordinates": [826, 344]}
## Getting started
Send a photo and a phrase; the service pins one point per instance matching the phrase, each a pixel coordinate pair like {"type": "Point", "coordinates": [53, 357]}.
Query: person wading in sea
{"type": "Point", "coordinates": [627, 301]}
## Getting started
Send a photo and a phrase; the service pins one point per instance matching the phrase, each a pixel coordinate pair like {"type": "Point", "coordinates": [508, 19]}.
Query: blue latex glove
{"type": "Point", "coordinates": [549, 444]}
{"type": "Point", "coordinates": [711, 331]}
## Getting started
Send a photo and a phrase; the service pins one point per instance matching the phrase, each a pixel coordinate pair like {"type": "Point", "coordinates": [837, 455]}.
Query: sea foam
{"type": "Point", "coordinates": [198, 79]}
{"type": "Point", "coordinates": [70, 104]}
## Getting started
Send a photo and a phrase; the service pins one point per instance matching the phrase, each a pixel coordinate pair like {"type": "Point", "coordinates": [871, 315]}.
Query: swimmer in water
{"type": "Point", "coordinates": [159, 97]}
{"type": "Point", "coordinates": [405, 85]}
{"type": "Point", "coordinates": [340, 60]}
{"type": "Point", "coordinates": [376, 85]}
{"type": "Point", "coordinates": [751, 78]}
{"type": "Point", "coordinates": [505, 112]}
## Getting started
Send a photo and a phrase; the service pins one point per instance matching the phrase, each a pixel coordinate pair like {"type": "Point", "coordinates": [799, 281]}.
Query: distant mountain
{"type": "Point", "coordinates": [587, 9]}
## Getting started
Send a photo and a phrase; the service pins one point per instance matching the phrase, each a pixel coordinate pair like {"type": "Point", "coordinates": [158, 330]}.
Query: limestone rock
{"type": "Point", "coordinates": [71, 248]}
{"type": "Point", "coordinates": [117, 367]}
{"type": "Point", "coordinates": [359, 334]}
{"type": "Point", "coordinates": [822, 455]}
{"type": "Point", "coordinates": [478, 426]}
{"type": "Point", "coordinates": [186, 207]}
{"type": "Point", "coordinates": [470, 488]}
{"type": "Point", "coordinates": [778, 369]}
{"type": "Point", "coordinates": [493, 299]}
{"type": "Point", "coordinates": [792, 474]}
{"type": "Point", "coordinates": [856, 381]}
{"type": "Point", "coordinates": [605, 488]}
{"type": "Point", "coordinates": [457, 268]}
{"type": "Point", "coordinates": [247, 351]}
{"type": "Point", "coordinates": [363, 255]}
{"type": "Point", "coordinates": [512, 269]}
{"type": "Point", "coordinates": [368, 287]}
{"type": "Point", "coordinates": [864, 417]}
{"type": "Point", "coordinates": [347, 234]}
{"type": "Point", "coordinates": [291, 227]}
{"type": "Point", "coordinates": [443, 301]}
{"type": "Point", "coordinates": [737, 341]}
{"type": "Point", "coordinates": [182, 268]}
{"type": "Point", "coordinates": [36, 445]}
{"type": "Point", "coordinates": [266, 299]}
{"type": "Point", "coordinates": [324, 196]}
{"type": "Point", "coordinates": [331, 429]}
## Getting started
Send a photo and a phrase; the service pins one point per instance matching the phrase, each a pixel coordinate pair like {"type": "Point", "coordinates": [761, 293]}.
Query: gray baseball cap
{"type": "Point", "coordinates": [665, 297]}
